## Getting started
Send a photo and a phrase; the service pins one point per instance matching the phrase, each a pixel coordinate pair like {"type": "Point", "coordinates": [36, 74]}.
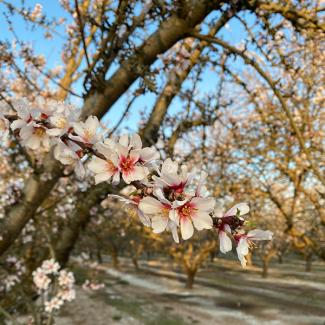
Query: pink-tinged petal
{"type": "Point", "coordinates": [139, 173]}
{"type": "Point", "coordinates": [92, 124]}
{"type": "Point", "coordinates": [97, 165]}
{"type": "Point", "coordinates": [159, 224]}
{"type": "Point", "coordinates": [243, 246]}
{"type": "Point", "coordinates": [122, 151]}
{"type": "Point", "coordinates": [242, 259]}
{"type": "Point", "coordinates": [135, 141]}
{"type": "Point", "coordinates": [18, 124]}
{"type": "Point", "coordinates": [108, 153]}
{"type": "Point", "coordinates": [242, 207]}
{"type": "Point", "coordinates": [34, 142]}
{"type": "Point", "coordinates": [160, 195]}
{"type": "Point", "coordinates": [173, 228]}
{"type": "Point", "coordinates": [201, 188]}
{"type": "Point", "coordinates": [116, 178]}
{"type": "Point", "coordinates": [258, 234]}
{"type": "Point", "coordinates": [174, 216]}
{"type": "Point", "coordinates": [169, 166]}
{"type": "Point", "coordinates": [54, 132]}
{"type": "Point", "coordinates": [77, 127]}
{"type": "Point", "coordinates": [225, 242]}
{"type": "Point", "coordinates": [187, 229]}
{"type": "Point", "coordinates": [80, 170]}
{"type": "Point", "coordinates": [202, 220]}
{"type": "Point", "coordinates": [203, 204]}
{"type": "Point", "coordinates": [122, 199]}
{"type": "Point", "coordinates": [102, 177]}
{"type": "Point", "coordinates": [171, 179]}
{"type": "Point", "coordinates": [134, 155]}
{"type": "Point", "coordinates": [149, 205]}
{"type": "Point", "coordinates": [124, 141]}
{"type": "Point", "coordinates": [144, 219]}
{"type": "Point", "coordinates": [242, 250]}
{"type": "Point", "coordinates": [26, 132]}
{"type": "Point", "coordinates": [148, 154]}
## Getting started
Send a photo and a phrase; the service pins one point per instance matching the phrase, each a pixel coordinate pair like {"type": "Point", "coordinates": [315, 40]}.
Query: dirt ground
{"type": "Point", "coordinates": [223, 294]}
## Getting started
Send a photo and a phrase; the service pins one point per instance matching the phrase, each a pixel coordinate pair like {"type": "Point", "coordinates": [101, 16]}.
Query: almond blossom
{"type": "Point", "coordinates": [70, 154]}
{"type": "Point", "coordinates": [105, 169]}
{"type": "Point", "coordinates": [133, 202]}
{"type": "Point", "coordinates": [25, 116]}
{"type": "Point", "coordinates": [60, 123]}
{"type": "Point", "coordinates": [129, 150]}
{"type": "Point", "coordinates": [195, 213]}
{"type": "Point", "coordinates": [161, 214]}
{"type": "Point", "coordinates": [171, 181]}
{"type": "Point", "coordinates": [35, 137]}
{"type": "Point", "coordinates": [230, 221]}
{"type": "Point", "coordinates": [244, 241]}
{"type": "Point", "coordinates": [4, 127]}
{"type": "Point", "coordinates": [87, 132]}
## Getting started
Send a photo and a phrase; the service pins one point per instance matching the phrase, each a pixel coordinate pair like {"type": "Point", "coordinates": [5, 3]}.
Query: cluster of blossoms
{"type": "Point", "coordinates": [54, 285]}
{"type": "Point", "coordinates": [16, 268]}
{"type": "Point", "coordinates": [165, 196]}
{"type": "Point", "coordinates": [93, 286]}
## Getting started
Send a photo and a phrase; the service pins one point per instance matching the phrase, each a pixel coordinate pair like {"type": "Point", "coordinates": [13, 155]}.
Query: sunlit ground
{"type": "Point", "coordinates": [223, 294]}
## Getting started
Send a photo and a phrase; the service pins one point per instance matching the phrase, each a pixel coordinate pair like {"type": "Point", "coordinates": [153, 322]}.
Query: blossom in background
{"type": "Point", "coordinates": [37, 12]}
{"type": "Point", "coordinates": [92, 286]}
{"type": "Point", "coordinates": [4, 128]}
{"type": "Point", "coordinates": [25, 116]}
{"type": "Point", "coordinates": [66, 279]}
{"type": "Point", "coordinates": [56, 286]}
{"type": "Point", "coordinates": [50, 266]}
{"type": "Point", "coordinates": [53, 304]}
{"type": "Point", "coordinates": [70, 154]}
{"type": "Point", "coordinates": [245, 240]}
{"type": "Point", "coordinates": [41, 280]}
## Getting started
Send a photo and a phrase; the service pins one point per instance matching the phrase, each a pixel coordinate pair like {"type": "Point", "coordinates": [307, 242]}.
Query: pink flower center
{"type": "Point", "coordinates": [127, 164]}
{"type": "Point", "coordinates": [186, 211]}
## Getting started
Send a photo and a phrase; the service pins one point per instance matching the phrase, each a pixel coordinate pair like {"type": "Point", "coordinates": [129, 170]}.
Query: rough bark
{"type": "Point", "coordinates": [169, 32]}
{"type": "Point", "coordinates": [79, 219]}
{"type": "Point", "coordinates": [36, 190]}
{"type": "Point", "coordinates": [114, 257]}
{"type": "Point", "coordinates": [309, 260]}
{"type": "Point", "coordinates": [265, 271]}
{"type": "Point", "coordinates": [190, 276]}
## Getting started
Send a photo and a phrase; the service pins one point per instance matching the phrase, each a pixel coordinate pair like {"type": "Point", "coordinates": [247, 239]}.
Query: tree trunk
{"type": "Point", "coordinates": [190, 278]}
{"type": "Point", "coordinates": [114, 257]}
{"type": "Point", "coordinates": [135, 263]}
{"type": "Point", "coordinates": [265, 271]}
{"type": "Point", "coordinates": [309, 260]}
{"type": "Point", "coordinates": [99, 256]}
{"type": "Point", "coordinates": [249, 259]}
{"type": "Point", "coordinates": [280, 259]}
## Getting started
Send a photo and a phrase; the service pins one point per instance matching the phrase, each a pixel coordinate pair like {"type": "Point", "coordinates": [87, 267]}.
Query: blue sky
{"type": "Point", "coordinates": [233, 33]}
